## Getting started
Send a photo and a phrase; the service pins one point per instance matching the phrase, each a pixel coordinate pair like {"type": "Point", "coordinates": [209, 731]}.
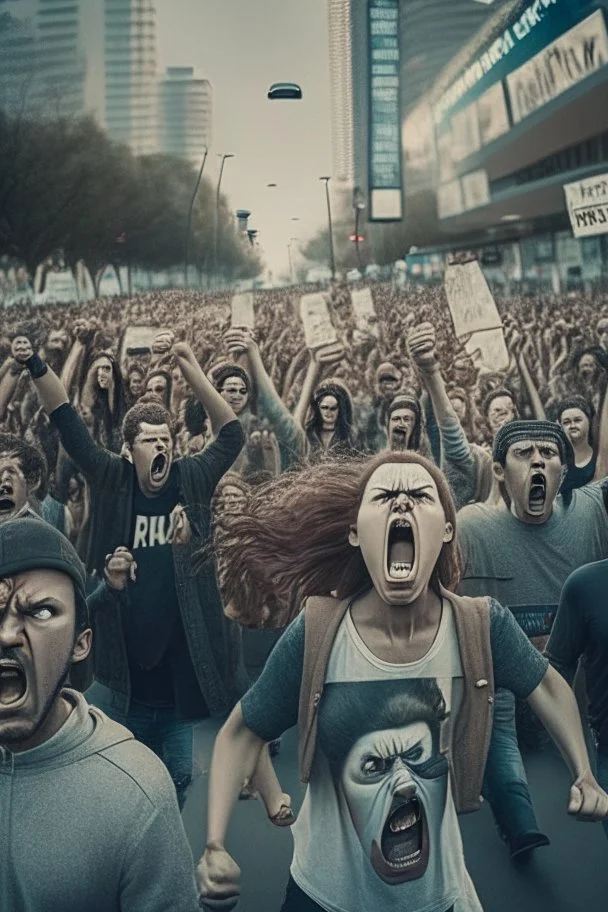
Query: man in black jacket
{"type": "Point", "coordinates": [164, 654]}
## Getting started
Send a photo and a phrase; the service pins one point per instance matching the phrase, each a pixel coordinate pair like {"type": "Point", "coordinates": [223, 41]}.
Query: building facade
{"type": "Point", "coordinates": [186, 107]}
{"type": "Point", "coordinates": [341, 89]}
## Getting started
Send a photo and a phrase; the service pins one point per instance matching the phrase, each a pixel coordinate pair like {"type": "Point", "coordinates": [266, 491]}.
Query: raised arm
{"type": "Point", "coordinates": [514, 341]}
{"type": "Point", "coordinates": [217, 409]}
{"type": "Point", "coordinates": [601, 468]}
{"type": "Point", "coordinates": [311, 378]}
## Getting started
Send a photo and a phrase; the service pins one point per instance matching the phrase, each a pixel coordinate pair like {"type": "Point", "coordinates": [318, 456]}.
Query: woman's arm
{"type": "Point", "coordinates": [555, 705]}
{"type": "Point", "coordinates": [235, 757]}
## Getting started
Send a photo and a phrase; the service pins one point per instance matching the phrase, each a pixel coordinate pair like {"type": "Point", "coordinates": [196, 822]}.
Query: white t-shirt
{"type": "Point", "coordinates": [378, 827]}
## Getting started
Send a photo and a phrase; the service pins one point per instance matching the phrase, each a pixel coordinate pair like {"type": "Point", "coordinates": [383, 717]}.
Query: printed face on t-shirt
{"type": "Point", "coordinates": [393, 778]}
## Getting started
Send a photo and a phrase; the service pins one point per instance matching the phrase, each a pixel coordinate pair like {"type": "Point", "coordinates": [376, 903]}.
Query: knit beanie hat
{"type": "Point", "coordinates": [401, 402]}
{"type": "Point", "coordinates": [517, 430]}
{"type": "Point", "coordinates": [33, 544]}
{"type": "Point", "coordinates": [219, 375]}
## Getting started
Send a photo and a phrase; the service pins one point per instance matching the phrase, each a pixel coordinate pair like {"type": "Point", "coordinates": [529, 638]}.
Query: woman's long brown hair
{"type": "Point", "coordinates": [293, 540]}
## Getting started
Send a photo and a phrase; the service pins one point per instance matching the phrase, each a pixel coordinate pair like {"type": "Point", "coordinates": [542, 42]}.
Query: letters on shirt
{"type": "Point", "coordinates": [151, 531]}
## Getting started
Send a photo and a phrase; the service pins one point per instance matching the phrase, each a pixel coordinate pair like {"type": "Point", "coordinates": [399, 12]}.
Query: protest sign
{"type": "Point", "coordinates": [470, 300]}
{"type": "Point", "coordinates": [587, 202]}
{"type": "Point", "coordinates": [318, 328]}
{"type": "Point", "coordinates": [366, 320]}
{"type": "Point", "coordinates": [242, 311]}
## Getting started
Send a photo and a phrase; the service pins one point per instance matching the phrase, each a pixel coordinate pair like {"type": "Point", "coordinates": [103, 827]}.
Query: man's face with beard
{"type": "Point", "coordinates": [400, 426]}
{"type": "Point", "coordinates": [152, 455]}
{"type": "Point", "coordinates": [57, 341]}
{"type": "Point", "coordinates": [388, 387]}
{"type": "Point", "coordinates": [532, 475]}
{"type": "Point", "coordinates": [37, 647]}
{"type": "Point", "coordinates": [103, 370]}
{"type": "Point", "coordinates": [13, 486]}
{"type": "Point", "coordinates": [395, 784]}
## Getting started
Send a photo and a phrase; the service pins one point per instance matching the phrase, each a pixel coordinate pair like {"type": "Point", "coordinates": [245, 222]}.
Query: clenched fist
{"type": "Point", "coordinates": [162, 342]}
{"type": "Point", "coordinates": [217, 877]}
{"type": "Point", "coordinates": [120, 568]}
{"type": "Point", "coordinates": [421, 346]}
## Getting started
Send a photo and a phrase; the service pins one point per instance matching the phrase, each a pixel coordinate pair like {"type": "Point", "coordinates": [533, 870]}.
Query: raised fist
{"type": "Point", "coordinates": [239, 339]}
{"type": "Point", "coordinates": [217, 878]}
{"type": "Point", "coordinates": [163, 342]}
{"type": "Point", "coordinates": [421, 346]}
{"type": "Point", "coordinates": [21, 349]}
{"type": "Point", "coordinates": [120, 567]}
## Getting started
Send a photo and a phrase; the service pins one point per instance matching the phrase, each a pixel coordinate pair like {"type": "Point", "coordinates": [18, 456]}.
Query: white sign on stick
{"type": "Point", "coordinates": [587, 202]}
{"type": "Point", "coordinates": [488, 348]}
{"type": "Point", "coordinates": [364, 312]}
{"type": "Point", "coordinates": [470, 300]}
{"type": "Point", "coordinates": [318, 328]}
{"type": "Point", "coordinates": [242, 311]}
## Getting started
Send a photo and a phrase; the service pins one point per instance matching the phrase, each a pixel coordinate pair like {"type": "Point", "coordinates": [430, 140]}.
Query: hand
{"type": "Point", "coordinates": [84, 330]}
{"type": "Point", "coordinates": [120, 567]}
{"type": "Point", "coordinates": [239, 339]}
{"type": "Point", "coordinates": [588, 802]}
{"type": "Point", "coordinates": [181, 531]}
{"type": "Point", "coordinates": [421, 346]}
{"type": "Point", "coordinates": [217, 878]}
{"type": "Point", "coordinates": [21, 349]}
{"type": "Point", "coordinates": [162, 342]}
{"type": "Point", "coordinates": [183, 352]}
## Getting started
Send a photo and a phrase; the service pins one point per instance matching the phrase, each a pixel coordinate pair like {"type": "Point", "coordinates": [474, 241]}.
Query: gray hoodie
{"type": "Point", "coordinates": [89, 823]}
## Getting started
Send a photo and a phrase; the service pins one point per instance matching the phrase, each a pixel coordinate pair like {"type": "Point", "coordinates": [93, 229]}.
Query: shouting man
{"type": "Point", "coordinates": [165, 655]}
{"type": "Point", "coordinates": [89, 816]}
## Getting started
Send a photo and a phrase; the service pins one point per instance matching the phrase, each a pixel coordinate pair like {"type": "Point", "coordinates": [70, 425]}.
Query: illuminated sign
{"type": "Point", "coordinates": [385, 180]}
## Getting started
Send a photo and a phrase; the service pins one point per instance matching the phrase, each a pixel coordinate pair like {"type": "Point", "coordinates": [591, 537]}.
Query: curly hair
{"type": "Point", "coordinates": [32, 461]}
{"type": "Point", "coordinates": [148, 412]}
{"type": "Point", "coordinates": [292, 541]}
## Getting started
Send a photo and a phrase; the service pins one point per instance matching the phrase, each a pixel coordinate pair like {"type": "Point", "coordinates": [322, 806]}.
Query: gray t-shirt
{"type": "Point", "coordinates": [378, 827]}
{"type": "Point", "coordinates": [525, 566]}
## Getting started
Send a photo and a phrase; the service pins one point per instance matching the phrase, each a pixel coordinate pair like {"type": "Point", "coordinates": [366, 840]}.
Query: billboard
{"type": "Point", "coordinates": [587, 202]}
{"type": "Point", "coordinates": [385, 172]}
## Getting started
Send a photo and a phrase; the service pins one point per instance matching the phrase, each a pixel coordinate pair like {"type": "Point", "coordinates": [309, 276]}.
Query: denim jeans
{"type": "Point", "coordinates": [157, 728]}
{"type": "Point", "coordinates": [298, 901]}
{"type": "Point", "coordinates": [505, 784]}
{"type": "Point", "coordinates": [602, 774]}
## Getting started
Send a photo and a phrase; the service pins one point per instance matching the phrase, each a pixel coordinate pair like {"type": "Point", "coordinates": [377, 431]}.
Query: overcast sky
{"type": "Point", "coordinates": [242, 46]}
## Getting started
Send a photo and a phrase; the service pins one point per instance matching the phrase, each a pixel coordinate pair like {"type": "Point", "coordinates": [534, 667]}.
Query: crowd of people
{"type": "Point", "coordinates": [421, 539]}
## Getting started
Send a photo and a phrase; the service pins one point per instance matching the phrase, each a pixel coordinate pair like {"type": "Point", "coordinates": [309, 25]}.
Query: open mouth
{"type": "Point", "coordinates": [538, 493]}
{"type": "Point", "coordinates": [158, 467]}
{"type": "Point", "coordinates": [13, 683]}
{"type": "Point", "coordinates": [7, 504]}
{"type": "Point", "coordinates": [400, 549]}
{"type": "Point", "coordinates": [403, 853]}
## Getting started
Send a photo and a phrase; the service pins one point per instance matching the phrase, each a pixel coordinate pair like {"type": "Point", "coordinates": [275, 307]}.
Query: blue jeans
{"type": "Point", "coordinates": [602, 774]}
{"type": "Point", "coordinates": [505, 784]}
{"type": "Point", "coordinates": [157, 728]}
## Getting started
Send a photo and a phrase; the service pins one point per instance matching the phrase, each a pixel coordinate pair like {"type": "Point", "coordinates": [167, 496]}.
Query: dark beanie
{"type": "Point", "coordinates": [515, 431]}
{"type": "Point", "coordinates": [33, 544]}
{"type": "Point", "coordinates": [401, 402]}
{"type": "Point", "coordinates": [220, 375]}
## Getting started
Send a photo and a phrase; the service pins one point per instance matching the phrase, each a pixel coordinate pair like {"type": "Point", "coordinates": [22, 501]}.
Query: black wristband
{"type": "Point", "coordinates": [36, 367]}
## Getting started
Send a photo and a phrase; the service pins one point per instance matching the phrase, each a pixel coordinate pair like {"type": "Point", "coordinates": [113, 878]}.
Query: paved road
{"type": "Point", "coordinates": [569, 876]}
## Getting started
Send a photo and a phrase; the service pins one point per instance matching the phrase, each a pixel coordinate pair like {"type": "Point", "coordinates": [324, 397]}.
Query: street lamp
{"type": "Point", "coordinates": [198, 183]}
{"type": "Point", "coordinates": [329, 225]}
{"type": "Point", "coordinates": [359, 207]}
{"type": "Point", "coordinates": [217, 209]}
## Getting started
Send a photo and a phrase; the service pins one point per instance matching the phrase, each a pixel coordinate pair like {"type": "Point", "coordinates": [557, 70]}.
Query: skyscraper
{"type": "Point", "coordinates": [73, 57]}
{"type": "Point", "coordinates": [185, 114]}
{"type": "Point", "coordinates": [341, 88]}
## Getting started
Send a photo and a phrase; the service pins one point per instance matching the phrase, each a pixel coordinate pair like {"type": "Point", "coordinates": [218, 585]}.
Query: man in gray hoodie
{"type": "Point", "coordinates": [89, 815]}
